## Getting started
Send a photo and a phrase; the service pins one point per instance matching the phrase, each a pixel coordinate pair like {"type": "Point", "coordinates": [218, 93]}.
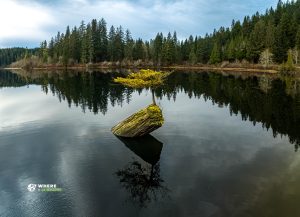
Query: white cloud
{"type": "Point", "coordinates": [24, 21]}
{"type": "Point", "coordinates": [145, 18]}
{"type": "Point", "coordinates": [35, 21]}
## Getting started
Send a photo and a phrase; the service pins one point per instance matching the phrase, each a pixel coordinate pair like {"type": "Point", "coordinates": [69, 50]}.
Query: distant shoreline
{"type": "Point", "coordinates": [247, 69]}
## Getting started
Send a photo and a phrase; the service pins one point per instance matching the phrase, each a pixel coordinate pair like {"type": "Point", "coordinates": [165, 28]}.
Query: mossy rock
{"type": "Point", "coordinates": [141, 123]}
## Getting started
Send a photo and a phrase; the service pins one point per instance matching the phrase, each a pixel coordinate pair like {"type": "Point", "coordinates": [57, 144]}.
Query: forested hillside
{"type": "Point", "coordinates": [10, 55]}
{"type": "Point", "coordinates": [258, 38]}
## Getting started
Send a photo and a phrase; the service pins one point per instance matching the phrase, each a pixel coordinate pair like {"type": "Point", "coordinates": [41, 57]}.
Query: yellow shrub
{"type": "Point", "coordinates": [145, 78]}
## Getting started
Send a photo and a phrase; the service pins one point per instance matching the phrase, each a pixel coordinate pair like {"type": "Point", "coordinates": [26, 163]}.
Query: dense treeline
{"type": "Point", "coordinates": [262, 37]}
{"type": "Point", "coordinates": [265, 38]}
{"type": "Point", "coordinates": [10, 55]}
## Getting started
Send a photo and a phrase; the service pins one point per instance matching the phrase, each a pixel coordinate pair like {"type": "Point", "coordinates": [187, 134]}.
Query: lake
{"type": "Point", "coordinates": [229, 146]}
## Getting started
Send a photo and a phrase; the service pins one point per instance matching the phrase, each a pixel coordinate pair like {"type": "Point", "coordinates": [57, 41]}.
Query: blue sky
{"type": "Point", "coordinates": [27, 22]}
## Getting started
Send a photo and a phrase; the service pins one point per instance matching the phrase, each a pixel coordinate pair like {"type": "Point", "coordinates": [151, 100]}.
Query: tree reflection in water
{"type": "Point", "coordinates": [270, 100]}
{"type": "Point", "coordinates": [143, 181]}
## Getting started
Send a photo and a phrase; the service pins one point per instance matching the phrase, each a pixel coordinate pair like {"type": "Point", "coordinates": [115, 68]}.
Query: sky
{"type": "Point", "coordinates": [26, 23]}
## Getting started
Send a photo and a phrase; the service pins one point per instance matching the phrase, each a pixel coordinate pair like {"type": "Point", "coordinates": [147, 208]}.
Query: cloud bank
{"type": "Point", "coordinates": [26, 23]}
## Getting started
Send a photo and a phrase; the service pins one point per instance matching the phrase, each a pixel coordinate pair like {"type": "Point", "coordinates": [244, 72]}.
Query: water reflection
{"type": "Point", "coordinates": [277, 108]}
{"type": "Point", "coordinates": [273, 102]}
{"type": "Point", "coordinates": [90, 91]}
{"type": "Point", "coordinates": [143, 181]}
{"type": "Point", "coordinates": [262, 99]}
{"type": "Point", "coordinates": [147, 147]}
{"type": "Point", "coordinates": [210, 170]}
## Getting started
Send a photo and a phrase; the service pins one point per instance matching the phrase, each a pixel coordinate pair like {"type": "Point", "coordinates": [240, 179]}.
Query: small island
{"type": "Point", "coordinates": [148, 119]}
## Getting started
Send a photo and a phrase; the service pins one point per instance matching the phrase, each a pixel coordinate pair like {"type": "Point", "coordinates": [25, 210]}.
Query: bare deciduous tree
{"type": "Point", "coordinates": [295, 53]}
{"type": "Point", "coordinates": [266, 57]}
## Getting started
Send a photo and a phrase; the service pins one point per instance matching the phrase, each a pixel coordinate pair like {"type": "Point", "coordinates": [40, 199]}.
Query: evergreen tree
{"type": "Point", "coordinates": [246, 27]}
{"type": "Point", "coordinates": [84, 49]}
{"type": "Point", "coordinates": [147, 51]}
{"type": "Point", "coordinates": [75, 45]}
{"type": "Point", "coordinates": [168, 50]}
{"type": "Point", "coordinates": [241, 48]}
{"type": "Point", "coordinates": [138, 50]}
{"type": "Point", "coordinates": [103, 40]}
{"type": "Point", "coordinates": [215, 56]}
{"type": "Point", "coordinates": [284, 38]}
{"type": "Point", "coordinates": [200, 51]}
{"type": "Point", "coordinates": [89, 44]}
{"type": "Point", "coordinates": [43, 54]}
{"type": "Point", "coordinates": [118, 44]}
{"type": "Point", "coordinates": [157, 48]}
{"type": "Point", "coordinates": [51, 48]}
{"type": "Point", "coordinates": [175, 47]}
{"type": "Point", "coordinates": [96, 40]}
{"type": "Point", "coordinates": [270, 36]}
{"type": "Point", "coordinates": [83, 42]}
{"type": "Point", "coordinates": [298, 39]}
{"type": "Point", "coordinates": [230, 51]}
{"type": "Point", "coordinates": [192, 57]}
{"type": "Point", "coordinates": [57, 47]}
{"type": "Point", "coordinates": [66, 47]}
{"type": "Point", "coordinates": [128, 50]}
{"type": "Point", "coordinates": [256, 41]}
{"type": "Point", "coordinates": [111, 41]}
{"type": "Point", "coordinates": [288, 67]}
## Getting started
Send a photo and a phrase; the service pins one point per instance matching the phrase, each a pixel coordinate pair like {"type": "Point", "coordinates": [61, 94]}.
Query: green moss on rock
{"type": "Point", "coordinates": [141, 123]}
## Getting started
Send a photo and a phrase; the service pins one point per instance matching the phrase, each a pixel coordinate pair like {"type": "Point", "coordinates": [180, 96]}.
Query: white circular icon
{"type": "Point", "coordinates": [31, 187]}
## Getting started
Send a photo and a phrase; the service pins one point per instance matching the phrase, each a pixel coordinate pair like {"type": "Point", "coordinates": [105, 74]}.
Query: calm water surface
{"type": "Point", "coordinates": [228, 146]}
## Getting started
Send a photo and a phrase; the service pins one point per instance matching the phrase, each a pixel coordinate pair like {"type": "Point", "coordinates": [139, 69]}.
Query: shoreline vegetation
{"type": "Point", "coordinates": [232, 67]}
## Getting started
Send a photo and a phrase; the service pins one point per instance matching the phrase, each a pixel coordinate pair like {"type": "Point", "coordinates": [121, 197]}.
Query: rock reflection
{"type": "Point", "coordinates": [143, 181]}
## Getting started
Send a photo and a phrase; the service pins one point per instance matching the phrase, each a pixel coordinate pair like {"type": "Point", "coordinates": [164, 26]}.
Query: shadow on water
{"type": "Point", "coordinates": [269, 100]}
{"type": "Point", "coordinates": [147, 147]}
{"type": "Point", "coordinates": [143, 181]}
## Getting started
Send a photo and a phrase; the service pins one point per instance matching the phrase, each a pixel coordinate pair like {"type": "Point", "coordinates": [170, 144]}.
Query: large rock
{"type": "Point", "coordinates": [141, 123]}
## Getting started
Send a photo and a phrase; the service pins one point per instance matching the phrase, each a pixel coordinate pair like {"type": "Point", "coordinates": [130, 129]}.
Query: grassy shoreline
{"type": "Point", "coordinates": [236, 67]}
{"type": "Point", "coordinates": [274, 69]}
